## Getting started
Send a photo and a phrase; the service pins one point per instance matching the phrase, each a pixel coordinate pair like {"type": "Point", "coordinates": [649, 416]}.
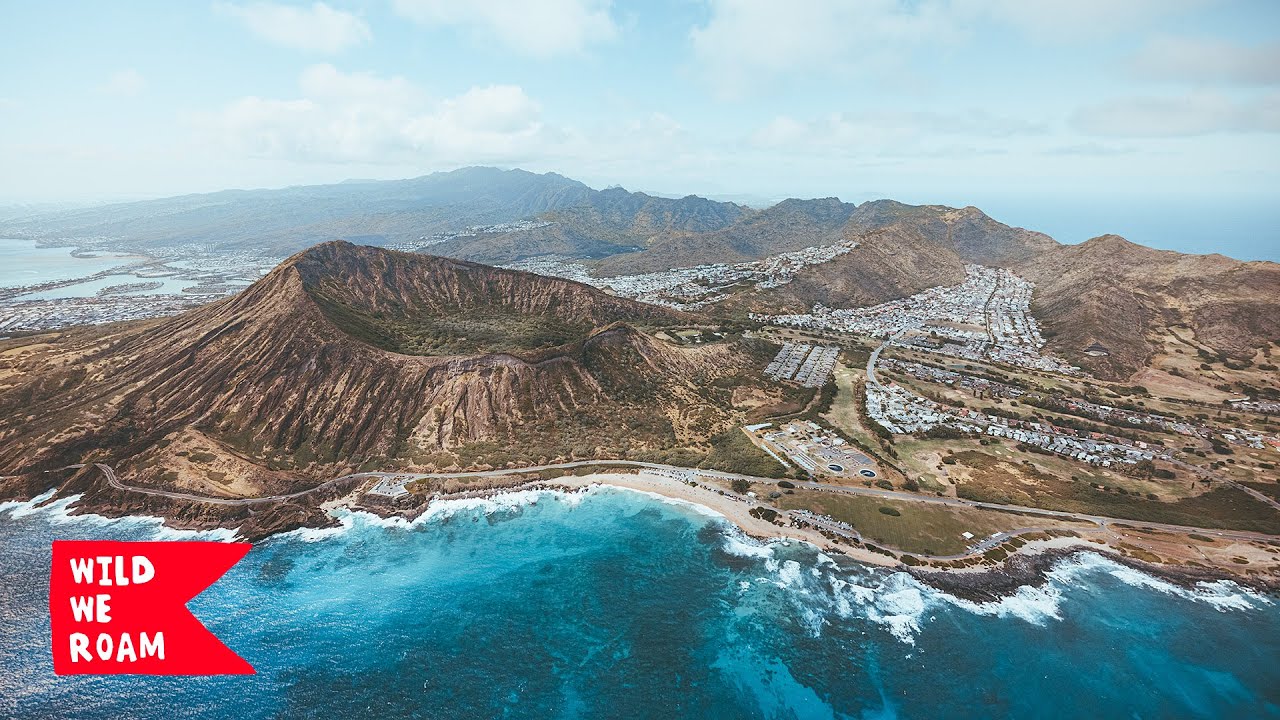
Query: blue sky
{"type": "Point", "coordinates": [1157, 119]}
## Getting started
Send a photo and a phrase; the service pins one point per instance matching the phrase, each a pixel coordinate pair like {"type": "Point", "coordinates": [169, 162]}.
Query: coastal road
{"type": "Point", "coordinates": [1100, 521]}
{"type": "Point", "coordinates": [114, 482]}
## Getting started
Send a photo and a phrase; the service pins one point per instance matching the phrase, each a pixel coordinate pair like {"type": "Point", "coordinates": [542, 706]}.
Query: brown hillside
{"type": "Point", "coordinates": [287, 379]}
{"type": "Point", "coordinates": [1124, 296]}
{"type": "Point", "coordinates": [888, 264]}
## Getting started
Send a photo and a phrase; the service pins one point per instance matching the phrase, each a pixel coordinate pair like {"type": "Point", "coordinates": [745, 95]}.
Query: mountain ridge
{"type": "Point", "coordinates": [1105, 291]}
{"type": "Point", "coordinates": [265, 388]}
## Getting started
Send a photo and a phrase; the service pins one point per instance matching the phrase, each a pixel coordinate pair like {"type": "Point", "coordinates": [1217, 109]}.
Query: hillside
{"type": "Point", "coordinates": [1107, 293]}
{"type": "Point", "coordinates": [285, 384]}
{"type": "Point", "coordinates": [428, 305]}
{"type": "Point", "coordinates": [789, 225]}
{"type": "Point", "coordinates": [1126, 298]}
{"type": "Point", "coordinates": [606, 223]}
{"type": "Point", "coordinates": [888, 263]}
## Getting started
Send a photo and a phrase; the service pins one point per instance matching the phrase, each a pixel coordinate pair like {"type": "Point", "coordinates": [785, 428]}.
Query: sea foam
{"type": "Point", "coordinates": [59, 512]}
{"type": "Point", "coordinates": [821, 591]}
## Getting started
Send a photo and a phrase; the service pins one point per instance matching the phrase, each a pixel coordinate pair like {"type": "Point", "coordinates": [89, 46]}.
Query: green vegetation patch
{"type": "Point", "coordinates": [920, 528]}
{"type": "Point", "coordinates": [460, 333]}
{"type": "Point", "coordinates": [1221, 507]}
{"type": "Point", "coordinates": [733, 451]}
{"type": "Point", "coordinates": [1269, 489]}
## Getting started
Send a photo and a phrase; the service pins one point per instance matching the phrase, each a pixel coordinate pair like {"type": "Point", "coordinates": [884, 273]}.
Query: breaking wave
{"type": "Point", "coordinates": [821, 591]}
{"type": "Point", "coordinates": [59, 512]}
{"type": "Point", "coordinates": [818, 590]}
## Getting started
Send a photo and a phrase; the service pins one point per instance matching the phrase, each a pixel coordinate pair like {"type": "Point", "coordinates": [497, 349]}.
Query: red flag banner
{"type": "Point", "coordinates": [121, 608]}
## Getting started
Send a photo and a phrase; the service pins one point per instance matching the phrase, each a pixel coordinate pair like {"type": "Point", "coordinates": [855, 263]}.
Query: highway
{"type": "Point", "coordinates": [114, 482]}
{"type": "Point", "coordinates": [1100, 521]}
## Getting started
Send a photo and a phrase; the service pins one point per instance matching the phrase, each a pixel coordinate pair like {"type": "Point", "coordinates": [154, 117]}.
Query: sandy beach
{"type": "Point", "coordinates": [1026, 564]}
{"type": "Point", "coordinates": [733, 509]}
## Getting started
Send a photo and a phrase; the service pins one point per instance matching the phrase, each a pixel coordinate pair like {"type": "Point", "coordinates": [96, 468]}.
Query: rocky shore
{"type": "Point", "coordinates": [1031, 567]}
{"type": "Point", "coordinates": [1028, 566]}
{"type": "Point", "coordinates": [252, 522]}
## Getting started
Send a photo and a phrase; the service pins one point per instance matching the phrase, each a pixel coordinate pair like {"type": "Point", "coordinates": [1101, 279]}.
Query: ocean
{"type": "Point", "coordinates": [612, 603]}
{"type": "Point", "coordinates": [23, 263]}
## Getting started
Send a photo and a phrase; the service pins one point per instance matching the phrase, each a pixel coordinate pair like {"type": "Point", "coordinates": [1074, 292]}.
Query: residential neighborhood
{"type": "Point", "coordinates": [986, 317]}
{"type": "Point", "coordinates": [690, 288]}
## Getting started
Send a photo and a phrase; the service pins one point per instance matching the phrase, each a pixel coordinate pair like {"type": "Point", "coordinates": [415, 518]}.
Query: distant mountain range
{"type": "Point", "coordinates": [285, 221]}
{"type": "Point", "coordinates": [1104, 293]}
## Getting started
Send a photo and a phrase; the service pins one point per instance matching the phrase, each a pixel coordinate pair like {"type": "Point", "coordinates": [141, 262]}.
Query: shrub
{"type": "Point", "coordinates": [740, 486]}
{"type": "Point", "coordinates": [765, 514]}
{"type": "Point", "coordinates": [890, 511]}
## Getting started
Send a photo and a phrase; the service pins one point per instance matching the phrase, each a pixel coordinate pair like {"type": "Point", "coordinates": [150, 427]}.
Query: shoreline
{"type": "Point", "coordinates": [732, 509]}
{"type": "Point", "coordinates": [1026, 566]}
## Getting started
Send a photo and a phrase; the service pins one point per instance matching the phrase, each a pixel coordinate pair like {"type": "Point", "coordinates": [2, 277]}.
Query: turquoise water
{"type": "Point", "coordinates": [22, 263]}
{"type": "Point", "coordinates": [616, 604]}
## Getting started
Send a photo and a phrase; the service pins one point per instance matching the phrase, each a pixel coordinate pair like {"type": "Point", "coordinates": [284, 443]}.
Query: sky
{"type": "Point", "coordinates": [1154, 119]}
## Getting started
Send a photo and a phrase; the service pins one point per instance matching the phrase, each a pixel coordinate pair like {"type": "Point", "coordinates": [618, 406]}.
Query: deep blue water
{"type": "Point", "coordinates": [614, 604]}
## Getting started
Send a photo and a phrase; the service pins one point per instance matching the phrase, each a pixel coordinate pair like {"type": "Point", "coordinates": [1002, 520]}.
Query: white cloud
{"type": "Point", "coordinates": [1074, 20]}
{"type": "Point", "coordinates": [363, 118]}
{"type": "Point", "coordinates": [745, 43]}
{"type": "Point", "coordinates": [124, 84]}
{"type": "Point", "coordinates": [1199, 113]}
{"type": "Point", "coordinates": [1090, 149]}
{"type": "Point", "coordinates": [317, 28]}
{"type": "Point", "coordinates": [1208, 62]}
{"type": "Point", "coordinates": [326, 83]}
{"type": "Point", "coordinates": [888, 132]}
{"type": "Point", "coordinates": [540, 28]}
{"type": "Point", "coordinates": [387, 126]}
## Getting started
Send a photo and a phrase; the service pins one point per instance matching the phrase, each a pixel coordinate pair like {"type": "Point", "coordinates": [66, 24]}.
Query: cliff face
{"type": "Point", "coordinates": [278, 393]}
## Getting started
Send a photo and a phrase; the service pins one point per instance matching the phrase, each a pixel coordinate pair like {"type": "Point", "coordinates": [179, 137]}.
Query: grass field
{"type": "Point", "coordinates": [1269, 489]}
{"type": "Point", "coordinates": [993, 479]}
{"type": "Point", "coordinates": [919, 528]}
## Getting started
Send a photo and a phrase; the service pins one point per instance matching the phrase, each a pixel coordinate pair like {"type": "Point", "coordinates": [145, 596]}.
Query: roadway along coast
{"type": "Point", "coordinates": [1099, 520]}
